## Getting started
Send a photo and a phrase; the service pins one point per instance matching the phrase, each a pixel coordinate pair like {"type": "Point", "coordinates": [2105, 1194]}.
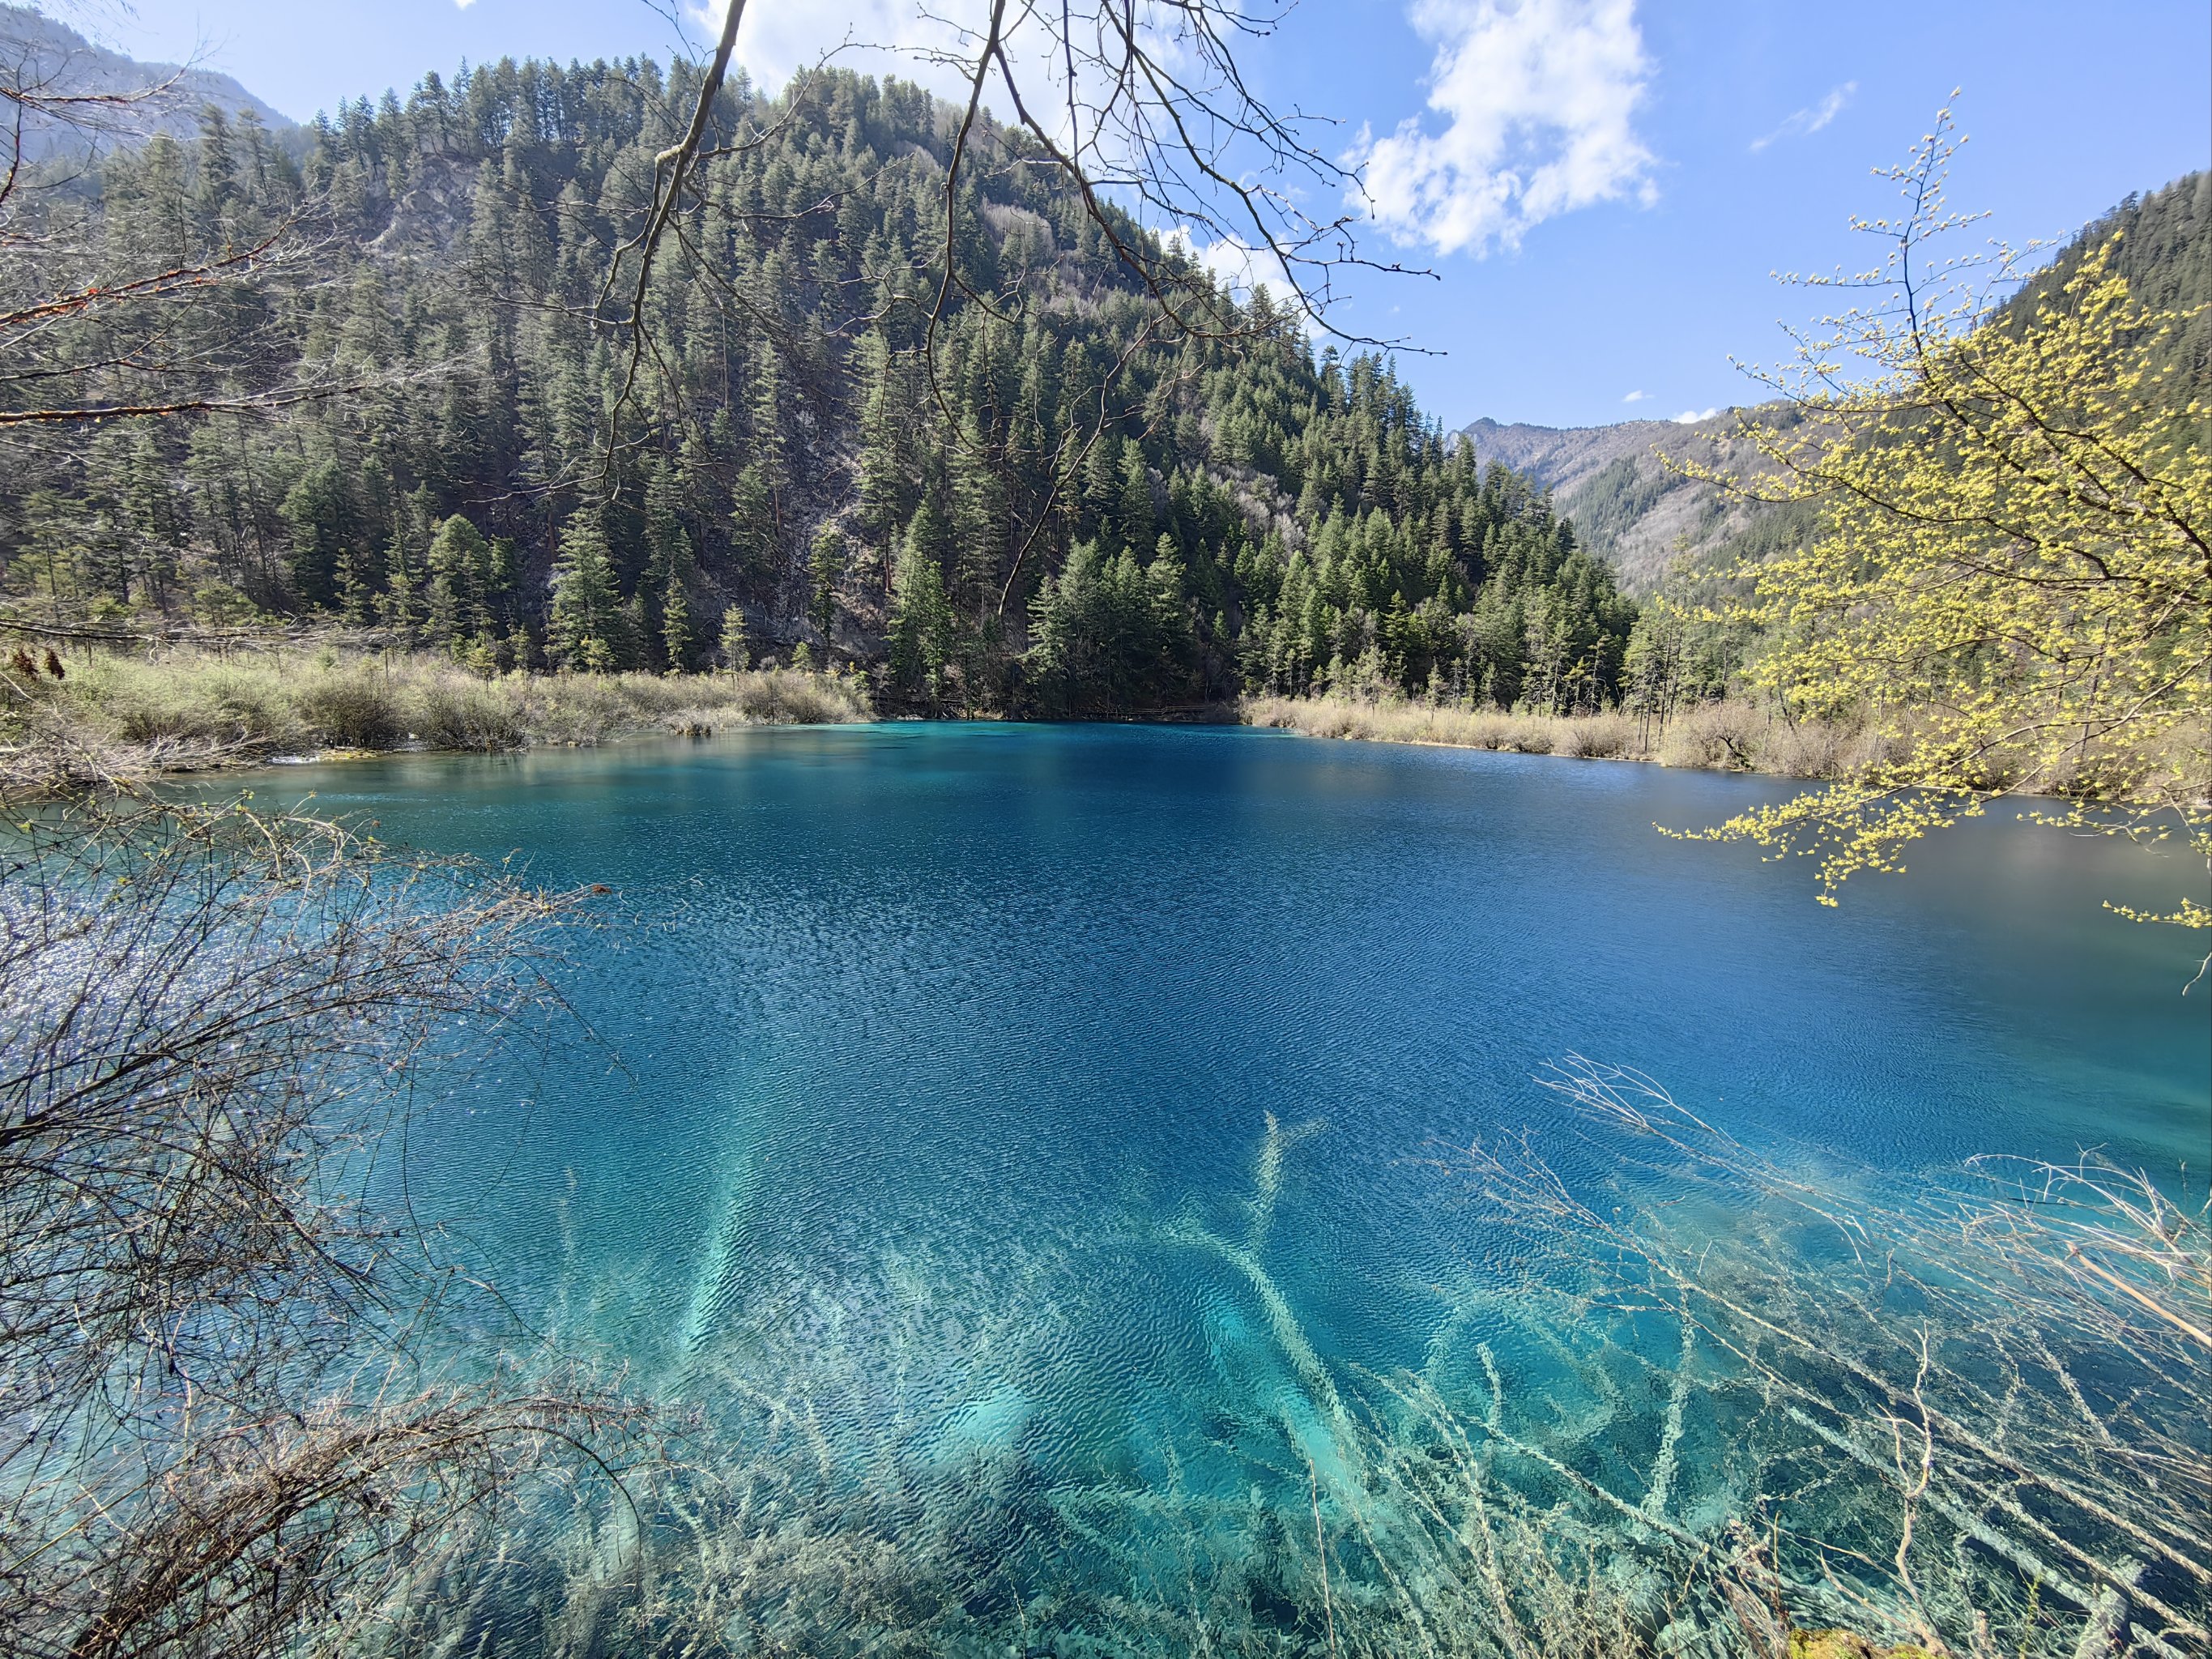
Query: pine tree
{"type": "Point", "coordinates": [459, 564]}
{"type": "Point", "coordinates": [676, 642]}
{"type": "Point", "coordinates": [827, 567]}
{"type": "Point", "coordinates": [923, 636]}
{"type": "Point", "coordinates": [736, 651]}
{"type": "Point", "coordinates": [979, 514]}
{"type": "Point", "coordinates": [754, 538]}
{"type": "Point", "coordinates": [770, 463]}
{"type": "Point", "coordinates": [1133, 508]}
{"type": "Point", "coordinates": [400, 604]}
{"type": "Point", "coordinates": [590, 631]}
{"type": "Point", "coordinates": [667, 570]}
{"type": "Point", "coordinates": [356, 596]}
{"type": "Point", "coordinates": [886, 471]}
{"type": "Point", "coordinates": [320, 519]}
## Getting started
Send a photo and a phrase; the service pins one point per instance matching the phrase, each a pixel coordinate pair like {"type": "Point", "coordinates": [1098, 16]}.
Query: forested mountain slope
{"type": "Point", "coordinates": [1631, 508]}
{"type": "Point", "coordinates": [1046, 502]}
{"type": "Point", "coordinates": [2164, 252]}
{"type": "Point", "coordinates": [44, 55]}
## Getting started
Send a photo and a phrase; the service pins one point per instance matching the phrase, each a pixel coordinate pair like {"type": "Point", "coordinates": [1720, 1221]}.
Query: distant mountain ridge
{"type": "Point", "coordinates": [1630, 507]}
{"type": "Point", "coordinates": [59, 60]}
{"type": "Point", "coordinates": [1627, 503]}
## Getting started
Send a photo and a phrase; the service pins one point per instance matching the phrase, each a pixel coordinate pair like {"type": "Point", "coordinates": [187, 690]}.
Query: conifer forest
{"type": "Point", "coordinates": [1030, 498]}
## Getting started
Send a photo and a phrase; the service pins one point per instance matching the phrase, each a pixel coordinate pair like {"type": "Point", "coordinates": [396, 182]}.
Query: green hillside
{"type": "Point", "coordinates": [1018, 526]}
{"type": "Point", "coordinates": [2164, 252]}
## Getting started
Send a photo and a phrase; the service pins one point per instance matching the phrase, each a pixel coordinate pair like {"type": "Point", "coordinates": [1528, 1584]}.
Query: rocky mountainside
{"type": "Point", "coordinates": [1623, 488]}
{"type": "Point", "coordinates": [59, 61]}
{"type": "Point", "coordinates": [1629, 506]}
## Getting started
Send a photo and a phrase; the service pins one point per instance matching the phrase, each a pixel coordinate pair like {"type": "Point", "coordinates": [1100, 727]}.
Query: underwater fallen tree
{"type": "Point", "coordinates": [1973, 1421]}
{"type": "Point", "coordinates": [1704, 1400]}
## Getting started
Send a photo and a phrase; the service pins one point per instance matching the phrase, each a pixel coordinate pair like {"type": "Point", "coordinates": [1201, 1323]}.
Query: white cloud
{"type": "Point", "coordinates": [1636, 396]}
{"type": "Point", "coordinates": [929, 42]}
{"type": "Point", "coordinates": [1812, 120]}
{"type": "Point", "coordinates": [1538, 99]}
{"type": "Point", "coordinates": [879, 36]}
{"type": "Point", "coordinates": [1691, 416]}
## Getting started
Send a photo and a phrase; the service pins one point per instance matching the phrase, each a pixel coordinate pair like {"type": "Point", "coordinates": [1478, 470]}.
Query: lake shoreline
{"type": "Point", "coordinates": [1720, 737]}
{"type": "Point", "coordinates": [120, 721]}
{"type": "Point", "coordinates": [59, 761]}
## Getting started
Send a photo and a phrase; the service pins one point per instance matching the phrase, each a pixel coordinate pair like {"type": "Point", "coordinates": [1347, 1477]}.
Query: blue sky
{"type": "Point", "coordinates": [1602, 187]}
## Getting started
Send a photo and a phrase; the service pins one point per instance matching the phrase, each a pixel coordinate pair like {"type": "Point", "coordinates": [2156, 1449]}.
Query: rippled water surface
{"type": "Point", "coordinates": [939, 1061]}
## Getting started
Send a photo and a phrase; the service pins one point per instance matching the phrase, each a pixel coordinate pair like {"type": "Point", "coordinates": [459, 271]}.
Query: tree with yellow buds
{"type": "Point", "coordinates": [2011, 584]}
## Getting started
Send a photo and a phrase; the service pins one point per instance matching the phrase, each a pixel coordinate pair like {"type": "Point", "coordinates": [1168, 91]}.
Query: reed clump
{"type": "Point", "coordinates": [112, 715]}
{"type": "Point", "coordinates": [1734, 735]}
{"type": "Point", "coordinates": [1727, 737]}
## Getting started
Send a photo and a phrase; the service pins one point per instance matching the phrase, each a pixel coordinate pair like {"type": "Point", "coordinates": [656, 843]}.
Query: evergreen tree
{"type": "Point", "coordinates": [923, 635]}
{"type": "Point", "coordinates": [827, 567]}
{"type": "Point", "coordinates": [667, 570]}
{"type": "Point", "coordinates": [676, 642]}
{"type": "Point", "coordinates": [736, 653]}
{"type": "Point", "coordinates": [590, 631]}
{"type": "Point", "coordinates": [399, 607]}
{"type": "Point", "coordinates": [797, 394]}
{"type": "Point", "coordinates": [459, 564]}
{"type": "Point", "coordinates": [754, 537]}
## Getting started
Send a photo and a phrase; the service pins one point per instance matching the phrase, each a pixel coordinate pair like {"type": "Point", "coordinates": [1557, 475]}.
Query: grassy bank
{"type": "Point", "coordinates": [130, 716]}
{"type": "Point", "coordinates": [1731, 737]}
{"type": "Point", "coordinates": [1742, 737]}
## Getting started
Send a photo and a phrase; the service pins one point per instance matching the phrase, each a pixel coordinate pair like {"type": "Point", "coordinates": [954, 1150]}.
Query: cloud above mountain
{"type": "Point", "coordinates": [895, 37]}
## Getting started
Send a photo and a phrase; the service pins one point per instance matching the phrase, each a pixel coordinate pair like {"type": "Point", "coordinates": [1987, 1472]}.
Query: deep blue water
{"type": "Point", "coordinates": [940, 1044]}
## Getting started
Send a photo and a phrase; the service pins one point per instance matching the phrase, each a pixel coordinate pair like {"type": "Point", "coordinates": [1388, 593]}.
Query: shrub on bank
{"type": "Point", "coordinates": [1607, 736]}
{"type": "Point", "coordinates": [460, 711]}
{"type": "Point", "coordinates": [348, 709]}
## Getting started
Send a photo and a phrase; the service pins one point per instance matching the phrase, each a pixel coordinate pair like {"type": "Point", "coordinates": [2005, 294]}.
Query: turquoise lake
{"type": "Point", "coordinates": [926, 1057]}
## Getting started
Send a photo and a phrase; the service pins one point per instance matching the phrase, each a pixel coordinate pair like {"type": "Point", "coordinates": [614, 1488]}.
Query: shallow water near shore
{"type": "Point", "coordinates": [1048, 1120]}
